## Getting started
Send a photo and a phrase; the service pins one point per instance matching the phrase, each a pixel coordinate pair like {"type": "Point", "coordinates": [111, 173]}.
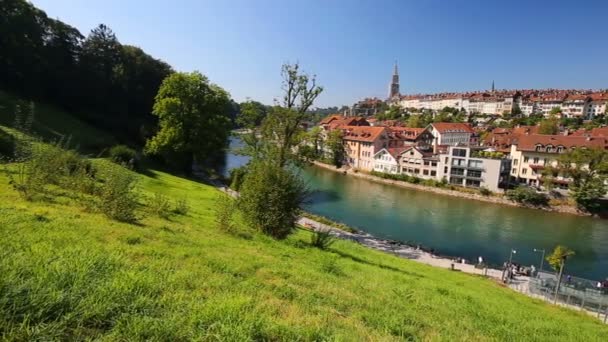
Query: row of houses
{"type": "Point", "coordinates": [451, 152]}
{"type": "Point", "coordinates": [573, 103]}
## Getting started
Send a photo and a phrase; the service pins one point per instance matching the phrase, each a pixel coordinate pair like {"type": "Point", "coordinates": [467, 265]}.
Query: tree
{"type": "Point", "coordinates": [555, 110]}
{"type": "Point", "coordinates": [193, 120]}
{"type": "Point", "coordinates": [415, 121]}
{"type": "Point", "coordinates": [272, 193]}
{"type": "Point", "coordinates": [549, 125]}
{"type": "Point", "coordinates": [335, 144]}
{"type": "Point", "coordinates": [557, 260]}
{"type": "Point", "coordinates": [281, 126]}
{"type": "Point", "coordinates": [251, 114]}
{"type": "Point", "coordinates": [588, 169]}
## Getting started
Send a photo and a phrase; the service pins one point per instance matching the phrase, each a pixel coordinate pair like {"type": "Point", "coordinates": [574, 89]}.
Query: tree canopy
{"type": "Point", "coordinates": [194, 121]}
{"type": "Point", "coordinates": [97, 78]}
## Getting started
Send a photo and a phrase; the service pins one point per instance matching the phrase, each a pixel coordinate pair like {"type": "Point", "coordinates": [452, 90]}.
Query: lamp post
{"type": "Point", "coordinates": [542, 259]}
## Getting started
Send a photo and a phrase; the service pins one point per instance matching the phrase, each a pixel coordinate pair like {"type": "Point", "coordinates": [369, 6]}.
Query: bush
{"type": "Point", "coordinates": [527, 195]}
{"type": "Point", "coordinates": [118, 195]}
{"type": "Point", "coordinates": [181, 207]}
{"type": "Point", "coordinates": [270, 199]}
{"type": "Point", "coordinates": [7, 146]}
{"type": "Point", "coordinates": [123, 155]}
{"type": "Point", "coordinates": [224, 213]}
{"type": "Point", "coordinates": [322, 238]}
{"type": "Point", "coordinates": [485, 191]}
{"type": "Point", "coordinates": [159, 205]}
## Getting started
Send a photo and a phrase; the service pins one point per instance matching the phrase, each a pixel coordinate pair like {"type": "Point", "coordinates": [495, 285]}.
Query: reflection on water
{"type": "Point", "coordinates": [456, 226]}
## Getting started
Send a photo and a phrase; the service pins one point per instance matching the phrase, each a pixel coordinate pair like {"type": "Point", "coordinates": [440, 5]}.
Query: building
{"type": "Point", "coordinates": [534, 152]}
{"type": "Point", "coordinates": [408, 136]}
{"type": "Point", "coordinates": [598, 103]}
{"type": "Point", "coordinates": [367, 107]}
{"type": "Point", "coordinates": [448, 133]}
{"type": "Point", "coordinates": [418, 162]}
{"type": "Point", "coordinates": [362, 143]}
{"type": "Point", "coordinates": [463, 166]}
{"type": "Point", "coordinates": [574, 105]}
{"type": "Point", "coordinates": [387, 160]}
{"type": "Point", "coordinates": [335, 121]}
{"type": "Point", "coordinates": [393, 91]}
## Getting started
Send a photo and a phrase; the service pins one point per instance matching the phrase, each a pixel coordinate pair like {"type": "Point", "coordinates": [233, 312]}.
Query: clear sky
{"type": "Point", "coordinates": [440, 45]}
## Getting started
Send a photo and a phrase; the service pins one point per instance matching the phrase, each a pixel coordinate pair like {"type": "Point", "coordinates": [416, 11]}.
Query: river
{"type": "Point", "coordinates": [455, 226]}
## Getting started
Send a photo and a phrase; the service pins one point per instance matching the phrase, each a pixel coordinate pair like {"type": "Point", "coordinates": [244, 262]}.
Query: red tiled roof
{"type": "Point", "coordinates": [443, 127]}
{"type": "Point", "coordinates": [362, 133]}
{"type": "Point", "coordinates": [331, 118]}
{"type": "Point", "coordinates": [594, 132]}
{"type": "Point", "coordinates": [529, 142]}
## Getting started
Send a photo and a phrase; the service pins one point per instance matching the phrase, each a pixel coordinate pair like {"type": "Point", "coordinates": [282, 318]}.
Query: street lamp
{"type": "Point", "coordinates": [542, 259]}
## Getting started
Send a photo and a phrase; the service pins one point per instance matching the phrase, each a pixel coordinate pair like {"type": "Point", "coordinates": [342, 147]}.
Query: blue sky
{"type": "Point", "coordinates": [440, 45]}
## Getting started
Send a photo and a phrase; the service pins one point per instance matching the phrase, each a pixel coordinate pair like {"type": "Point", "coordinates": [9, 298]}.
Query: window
{"type": "Point", "coordinates": [514, 170]}
{"type": "Point", "coordinates": [457, 172]}
{"type": "Point", "coordinates": [474, 174]}
{"type": "Point", "coordinates": [473, 183]}
{"type": "Point", "coordinates": [524, 171]}
{"type": "Point", "coordinates": [433, 163]}
{"type": "Point", "coordinates": [535, 160]}
{"type": "Point", "coordinates": [433, 173]}
{"type": "Point", "coordinates": [515, 162]}
{"type": "Point", "coordinates": [560, 149]}
{"type": "Point", "coordinates": [459, 152]}
{"type": "Point", "coordinates": [416, 171]}
{"type": "Point", "coordinates": [425, 172]}
{"type": "Point", "coordinates": [526, 159]}
{"type": "Point", "coordinates": [445, 169]}
{"type": "Point", "coordinates": [426, 163]}
{"type": "Point", "coordinates": [478, 164]}
{"type": "Point", "coordinates": [459, 162]}
{"type": "Point", "coordinates": [446, 160]}
{"type": "Point", "coordinates": [457, 181]}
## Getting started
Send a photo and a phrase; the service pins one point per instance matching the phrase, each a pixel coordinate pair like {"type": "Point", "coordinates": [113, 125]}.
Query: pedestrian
{"type": "Point", "coordinates": [599, 285]}
{"type": "Point", "coordinates": [480, 259]}
{"type": "Point", "coordinates": [569, 279]}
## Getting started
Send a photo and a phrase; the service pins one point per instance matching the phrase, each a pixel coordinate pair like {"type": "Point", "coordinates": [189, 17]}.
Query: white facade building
{"type": "Point", "coordinates": [459, 167]}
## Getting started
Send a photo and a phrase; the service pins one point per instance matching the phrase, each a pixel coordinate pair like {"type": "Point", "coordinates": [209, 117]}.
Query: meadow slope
{"type": "Point", "coordinates": [69, 273]}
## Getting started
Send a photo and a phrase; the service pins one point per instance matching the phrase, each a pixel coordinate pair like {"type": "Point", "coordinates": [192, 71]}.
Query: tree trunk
{"type": "Point", "coordinates": [559, 281]}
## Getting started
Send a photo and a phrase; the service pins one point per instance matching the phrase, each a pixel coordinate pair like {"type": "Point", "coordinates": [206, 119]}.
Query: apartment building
{"type": "Point", "coordinates": [463, 166]}
{"type": "Point", "coordinates": [362, 143]}
{"type": "Point", "coordinates": [387, 160]}
{"type": "Point", "coordinates": [533, 153]}
{"type": "Point", "coordinates": [418, 162]}
{"type": "Point", "coordinates": [448, 133]}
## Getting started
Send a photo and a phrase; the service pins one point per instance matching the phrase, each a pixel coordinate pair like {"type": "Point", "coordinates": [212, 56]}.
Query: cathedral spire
{"type": "Point", "coordinates": [393, 91]}
{"type": "Point", "coordinates": [492, 85]}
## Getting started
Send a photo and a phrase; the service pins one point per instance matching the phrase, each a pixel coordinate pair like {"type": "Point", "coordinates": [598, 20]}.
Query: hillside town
{"type": "Point", "coordinates": [473, 153]}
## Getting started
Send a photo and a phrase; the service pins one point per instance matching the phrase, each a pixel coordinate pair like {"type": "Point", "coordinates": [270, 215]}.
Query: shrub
{"type": "Point", "coordinates": [322, 238]}
{"type": "Point", "coordinates": [181, 207]}
{"type": "Point", "coordinates": [526, 195]}
{"type": "Point", "coordinates": [159, 205]}
{"type": "Point", "coordinates": [485, 191]}
{"type": "Point", "coordinates": [118, 194]}
{"type": "Point", "coordinates": [7, 146]}
{"type": "Point", "coordinates": [271, 197]}
{"type": "Point", "coordinates": [224, 213]}
{"type": "Point", "coordinates": [123, 155]}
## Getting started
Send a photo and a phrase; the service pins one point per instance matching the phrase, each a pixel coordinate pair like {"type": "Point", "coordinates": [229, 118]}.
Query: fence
{"type": "Point", "coordinates": [574, 292]}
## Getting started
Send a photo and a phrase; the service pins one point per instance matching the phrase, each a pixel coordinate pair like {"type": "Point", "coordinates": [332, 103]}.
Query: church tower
{"type": "Point", "coordinates": [394, 87]}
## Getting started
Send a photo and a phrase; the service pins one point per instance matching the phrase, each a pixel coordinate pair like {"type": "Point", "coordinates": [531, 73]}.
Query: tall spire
{"type": "Point", "coordinates": [393, 91]}
{"type": "Point", "coordinates": [492, 85]}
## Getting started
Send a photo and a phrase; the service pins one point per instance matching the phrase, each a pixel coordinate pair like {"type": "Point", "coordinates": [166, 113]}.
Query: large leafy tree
{"type": "Point", "coordinates": [549, 125]}
{"type": "Point", "coordinates": [194, 122]}
{"type": "Point", "coordinates": [335, 145]}
{"type": "Point", "coordinates": [557, 260]}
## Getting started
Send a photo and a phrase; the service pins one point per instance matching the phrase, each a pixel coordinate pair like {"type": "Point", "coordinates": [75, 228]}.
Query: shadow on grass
{"type": "Point", "coordinates": [366, 262]}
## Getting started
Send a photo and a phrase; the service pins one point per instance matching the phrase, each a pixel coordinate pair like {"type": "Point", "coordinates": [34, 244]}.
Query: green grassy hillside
{"type": "Point", "coordinates": [54, 124]}
{"type": "Point", "coordinates": [70, 274]}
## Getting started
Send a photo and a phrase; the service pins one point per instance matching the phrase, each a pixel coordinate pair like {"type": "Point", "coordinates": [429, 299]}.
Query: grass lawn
{"type": "Point", "coordinates": [69, 274]}
{"type": "Point", "coordinates": [54, 124]}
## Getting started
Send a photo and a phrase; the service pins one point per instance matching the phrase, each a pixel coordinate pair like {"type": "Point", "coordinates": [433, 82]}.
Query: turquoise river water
{"type": "Point", "coordinates": [455, 226]}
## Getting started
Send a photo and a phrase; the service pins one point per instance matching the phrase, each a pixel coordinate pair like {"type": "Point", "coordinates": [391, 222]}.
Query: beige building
{"type": "Point", "coordinates": [418, 162]}
{"type": "Point", "coordinates": [534, 152]}
{"type": "Point", "coordinates": [362, 143]}
{"type": "Point", "coordinates": [448, 133]}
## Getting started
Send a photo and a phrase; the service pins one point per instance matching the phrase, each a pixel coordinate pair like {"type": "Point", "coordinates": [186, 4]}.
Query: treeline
{"type": "Point", "coordinates": [97, 78]}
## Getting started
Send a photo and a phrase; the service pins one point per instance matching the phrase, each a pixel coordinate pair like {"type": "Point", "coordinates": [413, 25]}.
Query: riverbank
{"type": "Point", "coordinates": [496, 199]}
